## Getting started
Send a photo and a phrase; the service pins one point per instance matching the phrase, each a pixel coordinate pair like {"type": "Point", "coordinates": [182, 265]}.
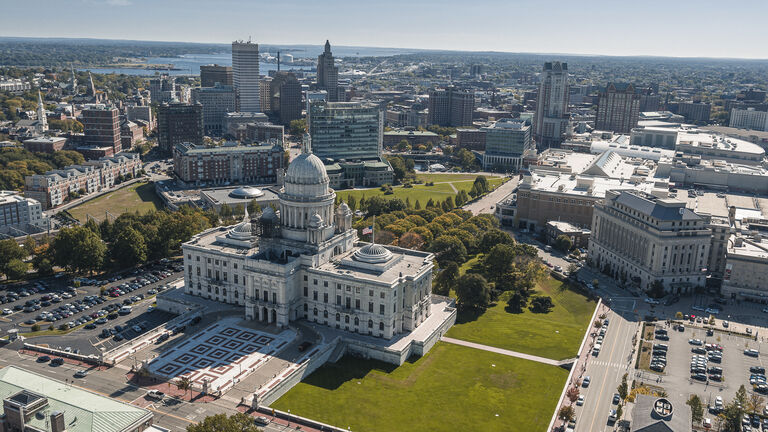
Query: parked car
{"type": "Point", "coordinates": [155, 394]}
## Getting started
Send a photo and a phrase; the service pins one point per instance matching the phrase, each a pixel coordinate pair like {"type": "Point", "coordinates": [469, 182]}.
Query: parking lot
{"type": "Point", "coordinates": [678, 375]}
{"type": "Point", "coordinates": [100, 320]}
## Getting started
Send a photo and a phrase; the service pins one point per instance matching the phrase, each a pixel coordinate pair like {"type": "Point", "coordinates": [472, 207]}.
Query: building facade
{"type": "Point", "coordinates": [214, 73]}
{"type": "Point", "coordinates": [304, 262]}
{"type": "Point", "coordinates": [162, 89]}
{"type": "Point", "coordinates": [695, 112]}
{"type": "Point", "coordinates": [618, 108]}
{"type": "Point", "coordinates": [749, 119]}
{"type": "Point", "coordinates": [216, 101]}
{"type": "Point", "coordinates": [245, 75]}
{"type": "Point", "coordinates": [328, 75]}
{"type": "Point", "coordinates": [285, 97]}
{"type": "Point", "coordinates": [470, 139]}
{"type": "Point", "coordinates": [45, 144]}
{"type": "Point", "coordinates": [57, 186]}
{"type": "Point", "coordinates": [551, 119]}
{"type": "Point", "coordinates": [20, 215]}
{"type": "Point", "coordinates": [101, 125]}
{"type": "Point", "coordinates": [346, 130]}
{"type": "Point", "coordinates": [641, 239]}
{"type": "Point", "coordinates": [506, 141]}
{"type": "Point", "coordinates": [746, 268]}
{"type": "Point", "coordinates": [178, 123]}
{"type": "Point", "coordinates": [450, 106]}
{"type": "Point", "coordinates": [230, 163]}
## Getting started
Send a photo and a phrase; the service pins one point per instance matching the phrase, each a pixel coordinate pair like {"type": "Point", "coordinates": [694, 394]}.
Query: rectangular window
{"type": "Point", "coordinates": [381, 294]}
{"type": "Point", "coordinates": [274, 297]}
{"type": "Point", "coordinates": [234, 266]}
{"type": "Point", "coordinates": [325, 297]}
{"type": "Point", "coordinates": [314, 281]}
{"type": "Point", "coordinates": [236, 278]}
{"type": "Point", "coordinates": [325, 284]}
{"type": "Point", "coordinates": [314, 295]}
{"type": "Point", "coordinates": [209, 273]}
{"type": "Point", "coordinates": [338, 300]}
{"type": "Point", "coordinates": [306, 292]}
{"type": "Point", "coordinates": [225, 276]}
{"type": "Point", "coordinates": [370, 307]}
{"type": "Point", "coordinates": [357, 303]}
{"type": "Point", "coordinates": [381, 309]}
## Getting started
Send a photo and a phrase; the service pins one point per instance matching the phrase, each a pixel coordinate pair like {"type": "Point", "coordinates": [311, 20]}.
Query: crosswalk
{"type": "Point", "coordinates": [608, 364]}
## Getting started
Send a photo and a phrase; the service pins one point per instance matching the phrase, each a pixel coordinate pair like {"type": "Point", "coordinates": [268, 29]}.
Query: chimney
{"type": "Point", "coordinates": [57, 422]}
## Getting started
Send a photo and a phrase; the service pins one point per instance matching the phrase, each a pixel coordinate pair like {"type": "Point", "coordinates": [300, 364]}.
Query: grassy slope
{"type": "Point", "coordinates": [451, 388]}
{"type": "Point", "coordinates": [554, 335]}
{"type": "Point", "coordinates": [439, 192]}
{"type": "Point", "coordinates": [138, 196]}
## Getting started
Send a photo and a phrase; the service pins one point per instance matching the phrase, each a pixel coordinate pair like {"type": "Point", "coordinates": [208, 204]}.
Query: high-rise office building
{"type": "Point", "coordinates": [346, 130]}
{"type": "Point", "coordinates": [285, 100]}
{"type": "Point", "coordinates": [213, 73]}
{"type": "Point", "coordinates": [101, 125]}
{"type": "Point", "coordinates": [451, 106]}
{"type": "Point", "coordinates": [694, 112]}
{"type": "Point", "coordinates": [162, 89]}
{"type": "Point", "coordinates": [749, 118]}
{"type": "Point", "coordinates": [506, 142]}
{"type": "Point", "coordinates": [265, 94]}
{"type": "Point", "coordinates": [328, 74]}
{"type": "Point", "coordinates": [216, 101]}
{"type": "Point", "coordinates": [245, 74]}
{"type": "Point", "coordinates": [551, 119]}
{"type": "Point", "coordinates": [178, 123]}
{"type": "Point", "coordinates": [618, 108]}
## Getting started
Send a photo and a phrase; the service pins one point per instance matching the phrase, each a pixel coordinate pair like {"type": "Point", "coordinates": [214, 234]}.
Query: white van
{"type": "Point", "coordinates": [125, 310]}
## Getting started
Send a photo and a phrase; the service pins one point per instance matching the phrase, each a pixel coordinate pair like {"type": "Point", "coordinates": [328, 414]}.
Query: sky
{"type": "Point", "coordinates": [676, 28]}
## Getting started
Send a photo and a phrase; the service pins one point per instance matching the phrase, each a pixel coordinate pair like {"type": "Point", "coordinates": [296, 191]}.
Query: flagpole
{"type": "Point", "coordinates": [373, 230]}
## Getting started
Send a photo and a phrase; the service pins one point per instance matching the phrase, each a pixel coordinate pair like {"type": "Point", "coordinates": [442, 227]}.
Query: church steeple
{"type": "Point", "coordinates": [327, 47]}
{"type": "Point", "coordinates": [91, 87]}
{"type": "Point", "coordinates": [42, 119]}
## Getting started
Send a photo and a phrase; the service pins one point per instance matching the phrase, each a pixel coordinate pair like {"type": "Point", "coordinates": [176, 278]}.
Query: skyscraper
{"type": "Point", "coordinates": [216, 101]}
{"type": "Point", "coordinates": [346, 130]}
{"type": "Point", "coordinates": [551, 119]}
{"type": "Point", "coordinates": [451, 106]}
{"type": "Point", "coordinates": [177, 123]}
{"type": "Point", "coordinates": [101, 125]}
{"type": "Point", "coordinates": [328, 74]}
{"type": "Point", "coordinates": [285, 92]}
{"type": "Point", "coordinates": [618, 108]}
{"type": "Point", "coordinates": [245, 74]}
{"type": "Point", "coordinates": [213, 73]}
{"type": "Point", "coordinates": [162, 89]}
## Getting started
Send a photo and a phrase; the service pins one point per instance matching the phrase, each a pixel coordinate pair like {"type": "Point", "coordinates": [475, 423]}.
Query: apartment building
{"type": "Point", "coordinates": [230, 163]}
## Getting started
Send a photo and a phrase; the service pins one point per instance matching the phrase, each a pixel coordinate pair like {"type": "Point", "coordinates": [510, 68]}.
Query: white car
{"type": "Point", "coordinates": [580, 400]}
{"type": "Point", "coordinates": [612, 415]}
{"type": "Point", "coordinates": [262, 420]}
{"type": "Point", "coordinates": [155, 394]}
{"type": "Point", "coordinates": [7, 311]}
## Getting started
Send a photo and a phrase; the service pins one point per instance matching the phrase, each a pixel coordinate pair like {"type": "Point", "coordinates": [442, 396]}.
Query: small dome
{"type": "Point", "coordinates": [268, 214]}
{"type": "Point", "coordinates": [242, 231]}
{"type": "Point", "coordinates": [246, 192]}
{"type": "Point", "coordinates": [373, 254]}
{"type": "Point", "coordinates": [306, 169]}
{"type": "Point", "coordinates": [343, 208]}
{"type": "Point", "coordinates": [316, 221]}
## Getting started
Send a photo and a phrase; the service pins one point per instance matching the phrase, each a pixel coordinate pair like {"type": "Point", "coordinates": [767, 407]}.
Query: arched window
{"type": "Point", "coordinates": [357, 321]}
{"type": "Point", "coordinates": [237, 294]}
{"type": "Point", "coordinates": [315, 311]}
{"type": "Point", "coordinates": [338, 316]}
{"type": "Point", "coordinates": [217, 290]}
{"type": "Point", "coordinates": [223, 291]}
{"type": "Point", "coordinates": [325, 314]}
{"type": "Point", "coordinates": [370, 323]}
{"type": "Point", "coordinates": [346, 319]}
{"type": "Point", "coordinates": [381, 326]}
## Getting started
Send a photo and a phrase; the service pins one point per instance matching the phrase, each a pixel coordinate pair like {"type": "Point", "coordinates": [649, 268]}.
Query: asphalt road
{"type": "Point", "coordinates": [487, 204]}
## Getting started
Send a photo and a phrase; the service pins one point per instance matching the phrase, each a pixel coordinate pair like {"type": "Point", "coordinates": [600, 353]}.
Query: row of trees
{"type": "Point", "coordinates": [16, 163]}
{"type": "Point", "coordinates": [129, 240]}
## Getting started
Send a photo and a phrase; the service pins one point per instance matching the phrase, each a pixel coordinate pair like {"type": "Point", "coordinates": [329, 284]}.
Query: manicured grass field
{"type": "Point", "coordinates": [443, 177]}
{"type": "Point", "coordinates": [439, 192]}
{"type": "Point", "coordinates": [452, 388]}
{"type": "Point", "coordinates": [555, 335]}
{"type": "Point", "coordinates": [138, 196]}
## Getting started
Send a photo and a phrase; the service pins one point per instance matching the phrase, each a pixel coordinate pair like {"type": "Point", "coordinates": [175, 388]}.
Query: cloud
{"type": "Point", "coordinates": [118, 2]}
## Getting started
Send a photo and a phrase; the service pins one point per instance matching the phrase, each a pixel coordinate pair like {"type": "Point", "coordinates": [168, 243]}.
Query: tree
{"type": "Point", "coordinates": [238, 422]}
{"type": "Point", "coordinates": [446, 279]}
{"type": "Point", "coordinates": [472, 291]}
{"type": "Point", "coordinates": [732, 415]}
{"type": "Point", "coordinates": [517, 302]}
{"type": "Point", "coordinates": [254, 208]}
{"type": "Point", "coordinates": [623, 389]}
{"type": "Point", "coordinates": [498, 261]}
{"type": "Point", "coordinates": [352, 202]}
{"type": "Point", "coordinates": [183, 384]}
{"type": "Point", "coordinates": [657, 289]}
{"type": "Point", "coordinates": [16, 269]}
{"type": "Point", "coordinates": [78, 249]}
{"type": "Point", "coordinates": [566, 413]}
{"type": "Point", "coordinates": [449, 248]}
{"type": "Point", "coordinates": [29, 245]}
{"type": "Point", "coordinates": [572, 394]}
{"type": "Point", "coordinates": [10, 251]}
{"type": "Point", "coordinates": [129, 248]}
{"type": "Point", "coordinates": [411, 240]}
{"type": "Point", "coordinates": [417, 206]}
{"type": "Point", "coordinates": [492, 238]}
{"type": "Point", "coordinates": [297, 127]}
{"type": "Point", "coordinates": [403, 146]}
{"type": "Point", "coordinates": [697, 410]}
{"type": "Point", "coordinates": [563, 243]}
{"type": "Point", "coordinates": [225, 211]}
{"type": "Point", "coordinates": [755, 403]}
{"type": "Point", "coordinates": [376, 205]}
{"type": "Point", "coordinates": [541, 304]}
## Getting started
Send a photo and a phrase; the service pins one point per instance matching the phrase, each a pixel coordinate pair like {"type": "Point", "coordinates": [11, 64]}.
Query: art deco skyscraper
{"type": "Point", "coordinates": [328, 74]}
{"type": "Point", "coordinates": [551, 120]}
{"type": "Point", "coordinates": [245, 72]}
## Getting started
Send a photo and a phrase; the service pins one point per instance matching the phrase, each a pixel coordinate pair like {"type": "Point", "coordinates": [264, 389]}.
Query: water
{"type": "Point", "coordinates": [189, 64]}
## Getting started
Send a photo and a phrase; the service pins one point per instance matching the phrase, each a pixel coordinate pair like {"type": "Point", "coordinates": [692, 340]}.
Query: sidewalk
{"type": "Point", "coordinates": [506, 352]}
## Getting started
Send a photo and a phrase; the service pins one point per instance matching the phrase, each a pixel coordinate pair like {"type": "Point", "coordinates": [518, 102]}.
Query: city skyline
{"type": "Point", "coordinates": [456, 26]}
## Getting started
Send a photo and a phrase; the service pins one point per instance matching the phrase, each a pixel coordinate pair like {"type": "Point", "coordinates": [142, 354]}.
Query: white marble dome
{"type": "Point", "coordinates": [306, 169]}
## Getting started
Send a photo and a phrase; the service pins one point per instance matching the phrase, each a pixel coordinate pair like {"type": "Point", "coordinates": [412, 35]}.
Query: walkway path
{"type": "Point", "coordinates": [507, 352]}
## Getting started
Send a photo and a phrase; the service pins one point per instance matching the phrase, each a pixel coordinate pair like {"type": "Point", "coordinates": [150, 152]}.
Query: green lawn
{"type": "Point", "coordinates": [443, 177]}
{"type": "Point", "coordinates": [439, 192]}
{"type": "Point", "coordinates": [556, 335]}
{"type": "Point", "coordinates": [138, 196]}
{"type": "Point", "coordinates": [451, 388]}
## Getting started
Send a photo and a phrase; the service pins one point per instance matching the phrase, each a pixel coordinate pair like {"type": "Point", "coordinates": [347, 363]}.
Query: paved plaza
{"type": "Point", "coordinates": [222, 354]}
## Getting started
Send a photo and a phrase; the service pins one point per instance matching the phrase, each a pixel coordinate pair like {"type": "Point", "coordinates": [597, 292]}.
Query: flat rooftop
{"type": "Point", "coordinates": [750, 248]}
{"type": "Point", "coordinates": [588, 186]}
{"type": "Point", "coordinates": [408, 263]}
{"type": "Point", "coordinates": [83, 411]}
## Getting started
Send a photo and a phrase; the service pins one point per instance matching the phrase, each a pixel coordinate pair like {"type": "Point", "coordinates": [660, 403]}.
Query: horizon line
{"type": "Point", "coordinates": [426, 50]}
